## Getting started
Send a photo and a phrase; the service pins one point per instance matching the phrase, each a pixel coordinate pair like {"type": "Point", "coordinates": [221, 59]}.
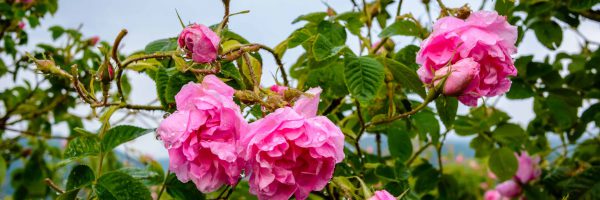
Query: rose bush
{"type": "Point", "coordinates": [368, 109]}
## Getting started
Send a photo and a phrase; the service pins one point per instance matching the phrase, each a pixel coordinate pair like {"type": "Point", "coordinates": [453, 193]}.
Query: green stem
{"type": "Point", "coordinates": [360, 133]}
{"type": "Point", "coordinates": [164, 185]}
{"type": "Point", "coordinates": [414, 157]}
{"type": "Point", "coordinates": [430, 97]}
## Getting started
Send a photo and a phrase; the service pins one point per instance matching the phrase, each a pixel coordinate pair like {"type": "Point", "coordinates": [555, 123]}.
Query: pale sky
{"type": "Point", "coordinates": [269, 22]}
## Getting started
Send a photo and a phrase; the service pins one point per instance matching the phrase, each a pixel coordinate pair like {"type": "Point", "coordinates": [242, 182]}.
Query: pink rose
{"type": "Point", "coordinates": [528, 168]}
{"type": "Point", "coordinates": [202, 135]}
{"type": "Point", "coordinates": [382, 195]}
{"type": "Point", "coordinates": [492, 195]}
{"type": "Point", "coordinates": [21, 25]}
{"type": "Point", "coordinates": [292, 151]}
{"type": "Point", "coordinates": [485, 37]}
{"type": "Point", "coordinates": [279, 89]}
{"type": "Point", "coordinates": [200, 43]}
{"type": "Point", "coordinates": [460, 76]}
{"type": "Point", "coordinates": [94, 40]}
{"type": "Point", "coordinates": [509, 188]}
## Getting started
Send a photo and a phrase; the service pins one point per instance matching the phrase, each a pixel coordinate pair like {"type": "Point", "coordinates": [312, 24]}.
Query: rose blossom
{"type": "Point", "coordinates": [528, 168]}
{"type": "Point", "coordinates": [292, 151]}
{"type": "Point", "coordinates": [200, 43]}
{"type": "Point", "coordinates": [21, 25]}
{"type": "Point", "coordinates": [486, 38]}
{"type": "Point", "coordinates": [492, 195]}
{"type": "Point", "coordinates": [202, 135]}
{"type": "Point", "coordinates": [279, 89]}
{"type": "Point", "coordinates": [382, 195]}
{"type": "Point", "coordinates": [509, 188]}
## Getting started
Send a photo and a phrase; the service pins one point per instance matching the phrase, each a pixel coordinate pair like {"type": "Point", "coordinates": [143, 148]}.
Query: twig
{"type": "Point", "coordinates": [129, 106]}
{"type": "Point", "coordinates": [53, 186]}
{"type": "Point", "coordinates": [36, 135]}
{"type": "Point", "coordinates": [412, 159]}
{"type": "Point", "coordinates": [115, 48]}
{"type": "Point", "coordinates": [279, 63]}
{"type": "Point", "coordinates": [439, 151]}
{"type": "Point", "coordinates": [120, 67]}
{"type": "Point", "coordinates": [129, 61]}
{"type": "Point", "coordinates": [362, 130]}
{"type": "Point", "coordinates": [164, 185]}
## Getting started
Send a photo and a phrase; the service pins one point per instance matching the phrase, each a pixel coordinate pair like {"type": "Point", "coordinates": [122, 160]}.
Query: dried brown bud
{"type": "Point", "coordinates": [463, 12]}
{"type": "Point", "coordinates": [247, 96]}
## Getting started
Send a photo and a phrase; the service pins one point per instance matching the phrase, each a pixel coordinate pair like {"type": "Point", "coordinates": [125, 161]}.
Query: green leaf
{"type": "Point", "coordinates": [323, 49]}
{"type": "Point", "coordinates": [510, 135]}
{"type": "Point", "coordinates": [427, 124]}
{"type": "Point", "coordinates": [407, 56]}
{"type": "Point", "coordinates": [548, 33]}
{"type": "Point", "coordinates": [315, 17]}
{"type": "Point", "coordinates": [446, 108]}
{"type": "Point", "coordinates": [174, 85]}
{"type": "Point", "coordinates": [298, 37]}
{"type": "Point", "coordinates": [504, 7]}
{"type": "Point", "coordinates": [162, 45]}
{"type": "Point", "coordinates": [334, 32]}
{"type": "Point", "coordinates": [400, 145]}
{"type": "Point", "coordinates": [146, 176]}
{"type": "Point", "coordinates": [363, 76]}
{"type": "Point", "coordinates": [56, 31]}
{"type": "Point", "coordinates": [401, 27]}
{"type": "Point", "coordinates": [519, 90]}
{"type": "Point", "coordinates": [3, 167]}
{"type": "Point", "coordinates": [82, 146]}
{"type": "Point", "coordinates": [228, 70]}
{"type": "Point", "coordinates": [118, 185]}
{"type": "Point", "coordinates": [121, 134]}
{"type": "Point", "coordinates": [330, 79]}
{"type": "Point", "coordinates": [404, 75]}
{"type": "Point", "coordinates": [184, 191]}
{"type": "Point", "coordinates": [582, 5]}
{"type": "Point", "coordinates": [503, 163]}
{"type": "Point", "coordinates": [3, 69]}
{"type": "Point", "coordinates": [80, 176]}
{"type": "Point", "coordinates": [585, 185]}
{"type": "Point", "coordinates": [162, 79]}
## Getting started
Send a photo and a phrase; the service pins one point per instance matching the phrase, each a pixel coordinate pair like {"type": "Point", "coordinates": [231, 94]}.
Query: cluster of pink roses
{"type": "Point", "coordinates": [528, 171]}
{"type": "Point", "coordinates": [474, 53]}
{"type": "Point", "coordinates": [291, 151]}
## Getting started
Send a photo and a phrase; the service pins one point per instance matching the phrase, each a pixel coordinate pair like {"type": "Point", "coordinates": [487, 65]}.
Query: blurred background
{"type": "Point", "coordinates": [269, 22]}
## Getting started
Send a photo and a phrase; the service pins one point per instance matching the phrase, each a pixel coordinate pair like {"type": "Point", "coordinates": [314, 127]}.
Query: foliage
{"type": "Point", "coordinates": [370, 89]}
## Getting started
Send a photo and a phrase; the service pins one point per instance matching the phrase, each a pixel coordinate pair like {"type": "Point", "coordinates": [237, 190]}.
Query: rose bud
{"type": "Point", "coordinates": [459, 78]}
{"type": "Point", "coordinates": [382, 195]}
{"type": "Point", "coordinates": [199, 43]}
{"type": "Point", "coordinates": [94, 40]}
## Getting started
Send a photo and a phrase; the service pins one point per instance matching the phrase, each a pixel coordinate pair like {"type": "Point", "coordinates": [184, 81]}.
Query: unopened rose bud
{"type": "Point", "coordinates": [458, 78]}
{"type": "Point", "coordinates": [94, 40]}
{"type": "Point", "coordinates": [199, 43]}
{"type": "Point", "coordinates": [330, 12]}
{"type": "Point", "coordinates": [106, 73]}
{"type": "Point", "coordinates": [21, 25]}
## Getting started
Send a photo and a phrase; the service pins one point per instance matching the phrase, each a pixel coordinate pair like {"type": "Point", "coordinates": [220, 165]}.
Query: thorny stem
{"type": "Point", "coordinates": [412, 159]}
{"type": "Point", "coordinates": [225, 16]}
{"type": "Point", "coordinates": [439, 151]}
{"type": "Point", "coordinates": [378, 141]}
{"type": "Point", "coordinates": [129, 106]}
{"type": "Point", "coordinates": [251, 70]}
{"type": "Point", "coordinates": [34, 134]}
{"type": "Point", "coordinates": [53, 185]}
{"type": "Point", "coordinates": [115, 57]}
{"type": "Point", "coordinates": [362, 130]}
{"type": "Point", "coordinates": [164, 185]}
{"type": "Point", "coordinates": [129, 61]}
{"type": "Point", "coordinates": [279, 63]}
